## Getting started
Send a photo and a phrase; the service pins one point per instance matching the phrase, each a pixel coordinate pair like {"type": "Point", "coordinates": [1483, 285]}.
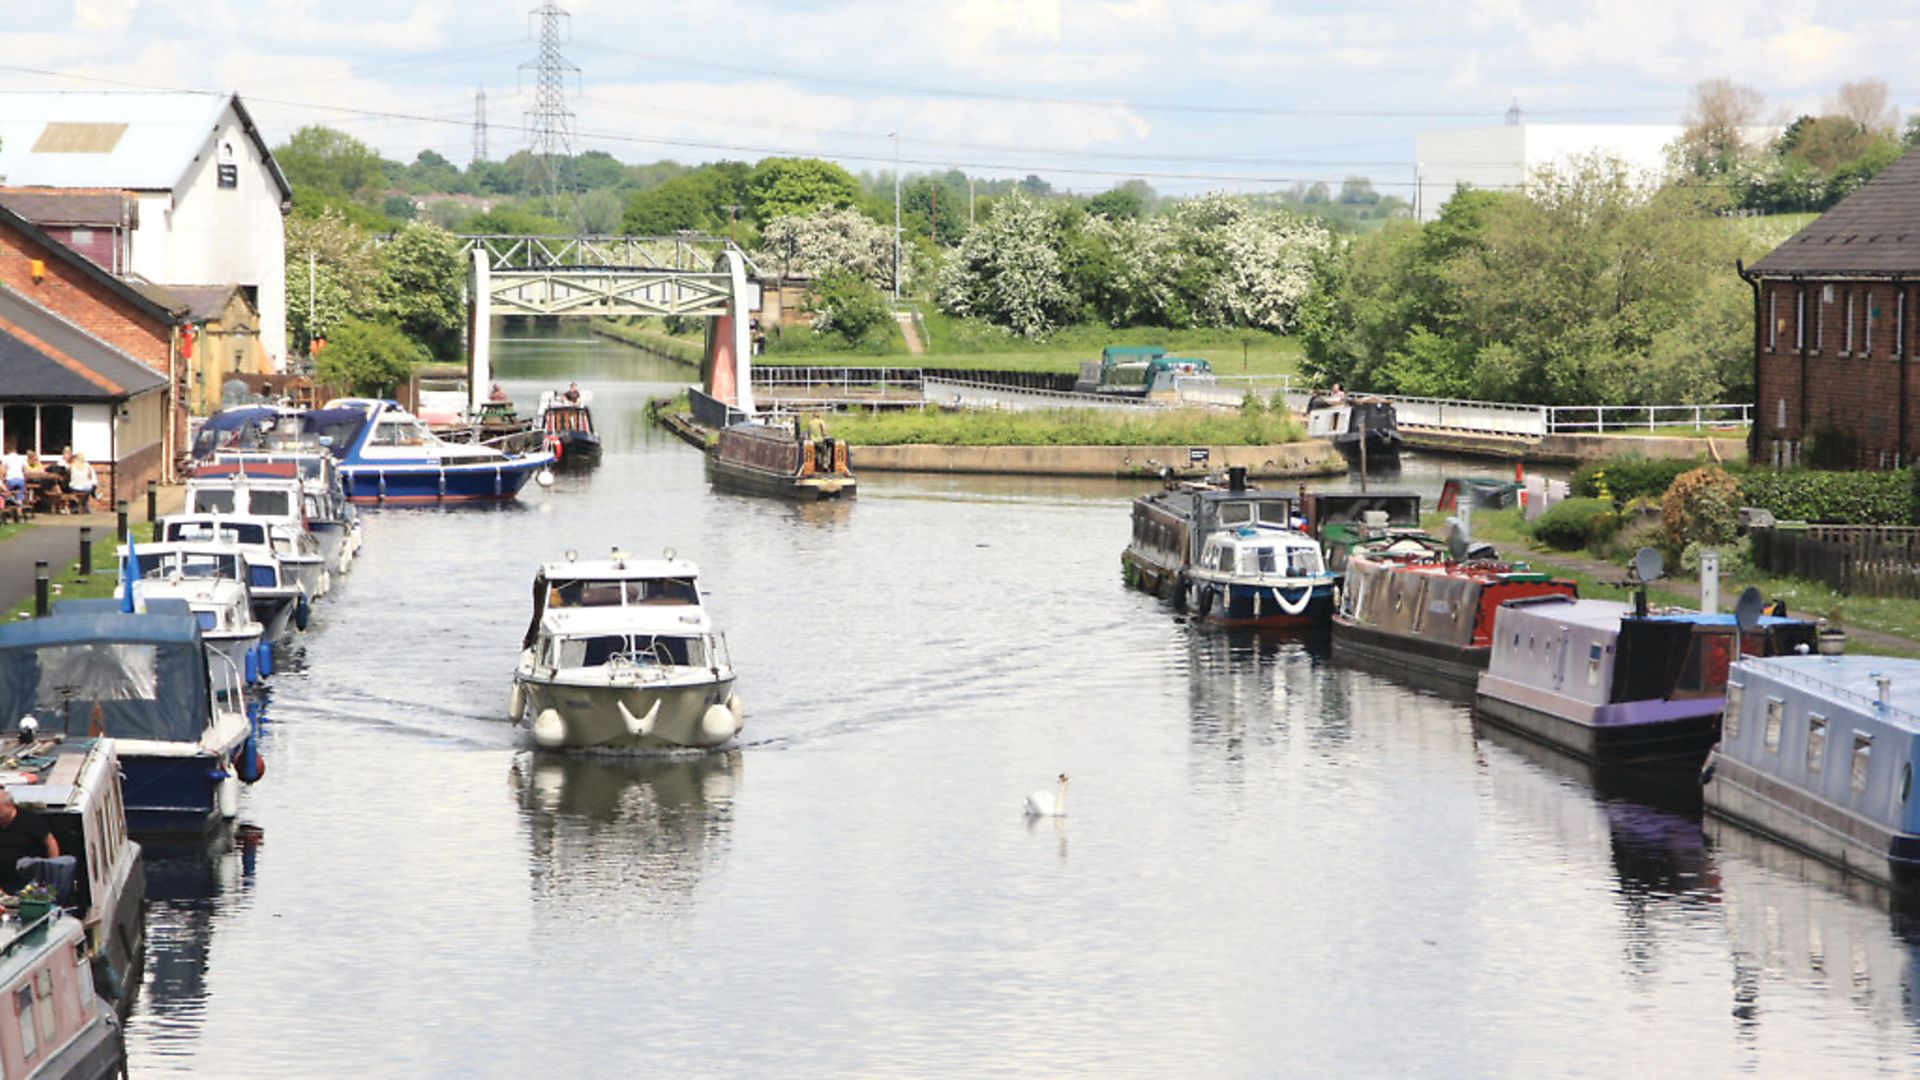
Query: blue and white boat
{"type": "Point", "coordinates": [1819, 751]}
{"type": "Point", "coordinates": [1260, 574]}
{"type": "Point", "coordinates": [278, 595]}
{"type": "Point", "coordinates": [329, 516]}
{"type": "Point", "coordinates": [212, 580]}
{"type": "Point", "coordinates": [1610, 686]}
{"type": "Point", "coordinates": [142, 679]}
{"type": "Point", "coordinates": [386, 455]}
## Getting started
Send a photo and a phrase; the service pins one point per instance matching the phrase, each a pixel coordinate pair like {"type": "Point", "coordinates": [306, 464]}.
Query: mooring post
{"type": "Point", "coordinates": [42, 590]}
{"type": "Point", "coordinates": [86, 550]}
{"type": "Point", "coordinates": [120, 520]}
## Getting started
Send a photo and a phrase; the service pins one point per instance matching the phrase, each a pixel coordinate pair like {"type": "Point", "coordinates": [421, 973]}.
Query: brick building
{"type": "Point", "coordinates": [1834, 328]}
{"type": "Point", "coordinates": [87, 361]}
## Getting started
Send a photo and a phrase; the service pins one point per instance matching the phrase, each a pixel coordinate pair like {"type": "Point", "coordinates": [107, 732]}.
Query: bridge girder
{"type": "Point", "coordinates": [609, 291]}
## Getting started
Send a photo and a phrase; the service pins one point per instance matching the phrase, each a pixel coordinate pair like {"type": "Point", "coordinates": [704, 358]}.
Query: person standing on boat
{"type": "Point", "coordinates": [573, 392]}
{"type": "Point", "coordinates": [23, 835]}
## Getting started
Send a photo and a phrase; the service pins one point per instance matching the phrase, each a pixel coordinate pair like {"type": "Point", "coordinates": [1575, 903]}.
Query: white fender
{"type": "Point", "coordinates": [639, 727]}
{"type": "Point", "coordinates": [516, 702]}
{"type": "Point", "coordinates": [229, 796]}
{"type": "Point", "coordinates": [738, 710]}
{"type": "Point", "coordinates": [717, 725]}
{"type": "Point", "coordinates": [549, 730]}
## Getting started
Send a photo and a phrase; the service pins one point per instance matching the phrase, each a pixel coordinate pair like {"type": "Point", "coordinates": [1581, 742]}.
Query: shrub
{"type": "Point", "coordinates": [843, 303]}
{"type": "Point", "coordinates": [1831, 448]}
{"type": "Point", "coordinates": [1567, 524]}
{"type": "Point", "coordinates": [1629, 477]}
{"type": "Point", "coordinates": [1701, 506]}
{"type": "Point", "coordinates": [1851, 498]}
{"type": "Point", "coordinates": [371, 359]}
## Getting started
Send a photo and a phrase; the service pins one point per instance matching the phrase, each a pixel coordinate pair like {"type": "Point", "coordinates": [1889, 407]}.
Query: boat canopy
{"type": "Point", "coordinates": [147, 672]}
{"type": "Point", "coordinates": [340, 426]}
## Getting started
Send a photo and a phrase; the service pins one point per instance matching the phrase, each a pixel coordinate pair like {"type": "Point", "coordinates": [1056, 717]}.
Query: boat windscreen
{"type": "Point", "coordinates": [641, 649]}
{"type": "Point", "coordinates": [237, 532]}
{"type": "Point", "coordinates": [586, 593]}
{"type": "Point", "coordinates": [212, 501]}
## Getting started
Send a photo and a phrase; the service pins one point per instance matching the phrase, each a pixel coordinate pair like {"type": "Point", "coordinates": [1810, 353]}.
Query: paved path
{"type": "Point", "coordinates": [56, 539]}
{"type": "Point", "coordinates": [909, 333]}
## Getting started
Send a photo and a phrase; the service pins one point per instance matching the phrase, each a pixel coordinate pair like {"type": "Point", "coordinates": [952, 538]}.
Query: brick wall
{"type": "Point", "coordinates": [71, 293]}
{"type": "Point", "coordinates": [1855, 383]}
{"type": "Point", "coordinates": [127, 478]}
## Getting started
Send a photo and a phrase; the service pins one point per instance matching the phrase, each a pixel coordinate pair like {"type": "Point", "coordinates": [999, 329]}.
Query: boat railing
{"type": "Point", "coordinates": [25, 935]}
{"type": "Point", "coordinates": [1871, 705]}
{"type": "Point", "coordinates": [233, 688]}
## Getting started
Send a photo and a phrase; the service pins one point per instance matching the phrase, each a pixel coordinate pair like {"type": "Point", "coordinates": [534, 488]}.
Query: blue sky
{"type": "Point", "coordinates": [1192, 95]}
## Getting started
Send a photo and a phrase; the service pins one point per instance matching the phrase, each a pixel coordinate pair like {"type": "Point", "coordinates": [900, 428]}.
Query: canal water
{"type": "Point", "coordinates": [1273, 864]}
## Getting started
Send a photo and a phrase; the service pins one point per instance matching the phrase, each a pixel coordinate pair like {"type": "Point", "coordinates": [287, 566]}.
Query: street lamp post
{"type": "Point", "coordinates": [895, 136]}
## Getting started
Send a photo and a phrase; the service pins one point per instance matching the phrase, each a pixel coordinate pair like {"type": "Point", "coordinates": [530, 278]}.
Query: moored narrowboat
{"type": "Point", "coordinates": [780, 460]}
{"type": "Point", "coordinates": [1430, 616]}
{"type": "Point", "coordinates": [1610, 686]}
{"type": "Point", "coordinates": [1819, 752]}
{"type": "Point", "coordinates": [1364, 430]}
{"type": "Point", "coordinates": [1343, 521]}
{"type": "Point", "coordinates": [58, 1026]}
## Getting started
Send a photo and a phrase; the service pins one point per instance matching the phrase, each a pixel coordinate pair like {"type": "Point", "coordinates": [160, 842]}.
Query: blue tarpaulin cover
{"type": "Point", "coordinates": [148, 672]}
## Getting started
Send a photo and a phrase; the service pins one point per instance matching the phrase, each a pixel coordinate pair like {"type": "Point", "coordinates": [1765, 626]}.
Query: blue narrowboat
{"type": "Point", "coordinates": [142, 679]}
{"type": "Point", "coordinates": [1818, 751]}
{"type": "Point", "coordinates": [386, 455]}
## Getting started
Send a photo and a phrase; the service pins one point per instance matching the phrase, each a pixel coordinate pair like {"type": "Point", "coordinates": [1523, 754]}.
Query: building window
{"type": "Point", "coordinates": [1773, 305]}
{"type": "Point", "coordinates": [1816, 743]}
{"type": "Point", "coordinates": [1847, 349]}
{"type": "Point", "coordinates": [1866, 344]}
{"type": "Point", "coordinates": [1900, 323]}
{"type": "Point", "coordinates": [1862, 760]}
{"type": "Point", "coordinates": [229, 176]}
{"type": "Point", "coordinates": [1800, 323]}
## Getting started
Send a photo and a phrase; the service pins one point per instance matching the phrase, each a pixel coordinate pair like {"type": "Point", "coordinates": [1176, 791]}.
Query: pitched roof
{"type": "Point", "coordinates": [198, 303]}
{"type": "Point", "coordinates": [163, 312]}
{"type": "Point", "coordinates": [1875, 231]}
{"type": "Point", "coordinates": [82, 207]}
{"type": "Point", "coordinates": [137, 140]}
{"type": "Point", "coordinates": [44, 357]}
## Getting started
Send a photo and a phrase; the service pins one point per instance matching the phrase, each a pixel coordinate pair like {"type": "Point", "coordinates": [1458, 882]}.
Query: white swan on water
{"type": "Point", "coordinates": [1049, 803]}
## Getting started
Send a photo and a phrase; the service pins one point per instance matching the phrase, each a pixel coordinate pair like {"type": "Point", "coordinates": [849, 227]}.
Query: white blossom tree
{"type": "Point", "coordinates": [812, 245]}
{"type": "Point", "coordinates": [1008, 270]}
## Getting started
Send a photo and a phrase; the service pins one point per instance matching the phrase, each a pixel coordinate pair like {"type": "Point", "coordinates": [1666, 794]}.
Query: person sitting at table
{"type": "Point", "coordinates": [13, 472]}
{"type": "Point", "coordinates": [82, 480]}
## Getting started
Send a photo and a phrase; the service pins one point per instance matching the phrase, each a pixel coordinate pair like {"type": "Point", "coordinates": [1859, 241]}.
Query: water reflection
{"type": "Point", "coordinates": [191, 886]}
{"type": "Point", "coordinates": [1252, 684]}
{"type": "Point", "coordinates": [640, 831]}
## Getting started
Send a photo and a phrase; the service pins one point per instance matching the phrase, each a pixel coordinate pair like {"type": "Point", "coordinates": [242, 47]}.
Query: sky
{"type": "Point", "coordinates": [1190, 95]}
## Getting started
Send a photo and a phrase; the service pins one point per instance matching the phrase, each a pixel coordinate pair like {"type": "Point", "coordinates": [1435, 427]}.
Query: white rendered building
{"type": "Point", "coordinates": [1501, 158]}
{"type": "Point", "coordinates": [211, 198]}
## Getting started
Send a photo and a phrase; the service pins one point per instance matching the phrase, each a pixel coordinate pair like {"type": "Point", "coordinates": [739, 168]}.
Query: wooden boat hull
{"type": "Point", "coordinates": [741, 478]}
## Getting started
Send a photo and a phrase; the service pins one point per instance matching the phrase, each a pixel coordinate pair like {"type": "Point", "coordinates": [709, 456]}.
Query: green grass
{"type": "Point", "coordinates": [1506, 530]}
{"type": "Point", "coordinates": [69, 585]}
{"type": "Point", "coordinates": [971, 344]}
{"type": "Point", "coordinates": [1066, 427]}
{"type": "Point", "coordinates": [650, 335]}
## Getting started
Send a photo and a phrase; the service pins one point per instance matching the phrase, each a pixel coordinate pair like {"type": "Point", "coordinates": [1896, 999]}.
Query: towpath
{"type": "Point", "coordinates": [55, 538]}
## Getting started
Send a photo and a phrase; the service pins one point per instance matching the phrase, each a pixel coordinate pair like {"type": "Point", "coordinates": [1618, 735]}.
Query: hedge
{"type": "Point", "coordinates": [1632, 477]}
{"type": "Point", "coordinates": [1570, 523]}
{"type": "Point", "coordinates": [1850, 498]}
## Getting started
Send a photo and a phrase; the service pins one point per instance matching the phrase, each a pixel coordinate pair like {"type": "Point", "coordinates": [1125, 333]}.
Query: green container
{"type": "Point", "coordinates": [32, 911]}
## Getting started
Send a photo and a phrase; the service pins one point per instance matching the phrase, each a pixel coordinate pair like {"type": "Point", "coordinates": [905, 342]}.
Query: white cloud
{"type": "Point", "coordinates": [103, 16]}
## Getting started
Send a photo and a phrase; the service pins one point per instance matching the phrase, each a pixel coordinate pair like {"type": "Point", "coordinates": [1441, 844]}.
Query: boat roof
{"type": "Point", "coordinates": [249, 467]}
{"type": "Point", "coordinates": [1606, 614]}
{"type": "Point", "coordinates": [629, 619]}
{"type": "Point", "coordinates": [621, 569]}
{"type": "Point", "coordinates": [46, 774]}
{"type": "Point", "coordinates": [1263, 533]}
{"type": "Point", "coordinates": [1850, 678]}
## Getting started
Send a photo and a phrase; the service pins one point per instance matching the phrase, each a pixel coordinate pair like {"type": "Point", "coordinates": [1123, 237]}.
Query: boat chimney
{"type": "Point", "coordinates": [1885, 683]}
{"type": "Point", "coordinates": [1236, 478]}
{"type": "Point", "coordinates": [1709, 582]}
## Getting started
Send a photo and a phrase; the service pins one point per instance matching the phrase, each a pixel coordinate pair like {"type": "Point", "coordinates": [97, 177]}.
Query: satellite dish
{"type": "Point", "coordinates": [1648, 565]}
{"type": "Point", "coordinates": [1746, 612]}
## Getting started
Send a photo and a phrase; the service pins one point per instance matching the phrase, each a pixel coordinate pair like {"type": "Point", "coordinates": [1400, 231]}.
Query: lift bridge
{"type": "Point", "coordinates": [688, 275]}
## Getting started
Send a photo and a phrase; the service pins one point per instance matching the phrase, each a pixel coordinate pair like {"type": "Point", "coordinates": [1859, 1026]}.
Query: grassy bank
{"type": "Point", "coordinates": [69, 585]}
{"type": "Point", "coordinates": [967, 343]}
{"type": "Point", "coordinates": [647, 334]}
{"type": "Point", "coordinates": [1065, 427]}
{"type": "Point", "coordinates": [1506, 530]}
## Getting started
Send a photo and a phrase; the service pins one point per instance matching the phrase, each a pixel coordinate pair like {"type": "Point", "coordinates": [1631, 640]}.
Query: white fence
{"type": "Point", "coordinates": [970, 394]}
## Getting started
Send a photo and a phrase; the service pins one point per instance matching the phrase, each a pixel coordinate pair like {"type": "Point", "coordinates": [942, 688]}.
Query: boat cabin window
{"type": "Point", "coordinates": [1776, 708]}
{"type": "Point", "coordinates": [1305, 562]}
{"type": "Point", "coordinates": [1862, 758]}
{"type": "Point", "coordinates": [1274, 512]}
{"type": "Point", "coordinates": [1730, 713]}
{"type": "Point", "coordinates": [262, 577]}
{"type": "Point", "coordinates": [643, 649]}
{"type": "Point", "coordinates": [1226, 559]}
{"type": "Point", "coordinates": [269, 503]}
{"type": "Point", "coordinates": [217, 530]}
{"type": "Point", "coordinates": [1816, 742]}
{"type": "Point", "coordinates": [1236, 513]}
{"type": "Point", "coordinates": [1906, 781]}
{"type": "Point", "coordinates": [662, 591]}
{"type": "Point", "coordinates": [396, 431]}
{"type": "Point", "coordinates": [23, 1009]}
{"type": "Point", "coordinates": [212, 501]}
{"type": "Point", "coordinates": [1264, 557]}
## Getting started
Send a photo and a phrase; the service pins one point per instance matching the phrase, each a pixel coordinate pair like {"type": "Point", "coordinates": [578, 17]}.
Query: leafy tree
{"type": "Point", "coordinates": [684, 202]}
{"type": "Point", "coordinates": [515, 221]}
{"type": "Point", "coordinates": [330, 162]}
{"type": "Point", "coordinates": [784, 187]}
{"type": "Point", "coordinates": [421, 289]}
{"type": "Point", "coordinates": [600, 211]}
{"type": "Point", "coordinates": [1008, 270]}
{"type": "Point", "coordinates": [1118, 204]}
{"type": "Point", "coordinates": [430, 172]}
{"type": "Point", "coordinates": [596, 169]}
{"type": "Point", "coordinates": [826, 242]}
{"type": "Point", "coordinates": [1715, 140]}
{"type": "Point", "coordinates": [1358, 191]}
{"type": "Point", "coordinates": [493, 178]}
{"type": "Point", "coordinates": [844, 303]}
{"type": "Point", "coordinates": [370, 358]}
{"type": "Point", "coordinates": [338, 260]}
{"type": "Point", "coordinates": [1035, 186]}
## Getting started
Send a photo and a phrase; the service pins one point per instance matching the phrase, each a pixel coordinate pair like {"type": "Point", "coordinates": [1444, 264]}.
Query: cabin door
{"type": "Point", "coordinates": [1557, 648]}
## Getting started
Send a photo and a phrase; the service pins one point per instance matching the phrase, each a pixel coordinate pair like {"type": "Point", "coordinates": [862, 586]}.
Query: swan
{"type": "Point", "coordinates": [1049, 803]}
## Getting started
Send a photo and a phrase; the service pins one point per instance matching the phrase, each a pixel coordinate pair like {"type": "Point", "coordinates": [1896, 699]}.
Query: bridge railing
{"type": "Point", "coordinates": [847, 381]}
{"type": "Point", "coordinates": [683, 251]}
{"type": "Point", "coordinates": [1603, 418]}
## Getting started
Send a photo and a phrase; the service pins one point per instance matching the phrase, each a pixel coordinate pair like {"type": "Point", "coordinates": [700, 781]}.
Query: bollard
{"type": "Point", "coordinates": [42, 590]}
{"type": "Point", "coordinates": [153, 501]}
{"type": "Point", "coordinates": [120, 520]}
{"type": "Point", "coordinates": [86, 550]}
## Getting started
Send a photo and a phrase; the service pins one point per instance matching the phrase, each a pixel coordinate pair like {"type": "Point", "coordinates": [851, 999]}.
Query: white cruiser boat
{"type": "Point", "coordinates": [277, 595]}
{"type": "Point", "coordinates": [329, 516]}
{"type": "Point", "coordinates": [278, 500]}
{"type": "Point", "coordinates": [212, 579]}
{"type": "Point", "coordinates": [620, 656]}
{"type": "Point", "coordinates": [1260, 575]}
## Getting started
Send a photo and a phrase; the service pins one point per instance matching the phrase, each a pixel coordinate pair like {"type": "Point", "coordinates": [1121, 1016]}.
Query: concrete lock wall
{"type": "Point", "coordinates": [1311, 458]}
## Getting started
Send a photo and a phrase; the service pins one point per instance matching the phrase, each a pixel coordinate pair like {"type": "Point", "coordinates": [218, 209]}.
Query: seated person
{"type": "Point", "coordinates": [573, 392]}
{"type": "Point", "coordinates": [83, 481]}
{"type": "Point", "coordinates": [13, 472]}
{"type": "Point", "coordinates": [23, 835]}
{"type": "Point", "coordinates": [498, 393]}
